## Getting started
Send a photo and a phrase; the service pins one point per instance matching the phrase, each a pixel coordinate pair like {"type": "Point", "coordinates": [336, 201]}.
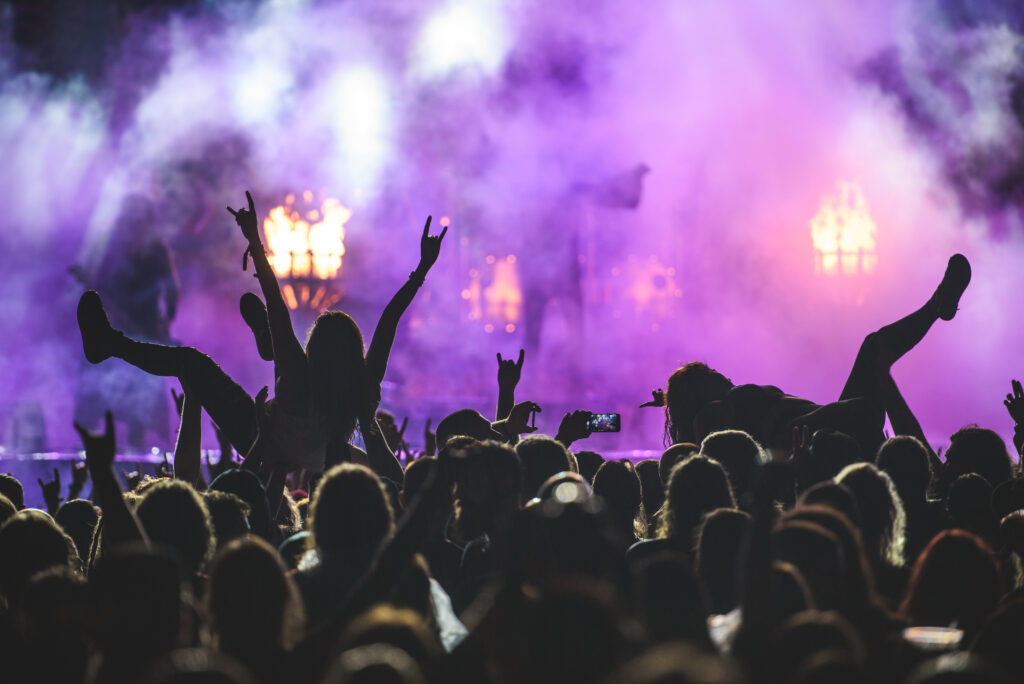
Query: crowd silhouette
{"type": "Point", "coordinates": [776, 540]}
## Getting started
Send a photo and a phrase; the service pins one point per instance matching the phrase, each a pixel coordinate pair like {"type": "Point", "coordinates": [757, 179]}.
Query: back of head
{"type": "Point", "coordinates": [229, 515]}
{"type": "Point", "coordinates": [905, 460]}
{"type": "Point", "coordinates": [998, 641]}
{"type": "Point", "coordinates": [588, 462]}
{"type": "Point", "coordinates": [31, 542]}
{"type": "Point", "coordinates": [810, 632]}
{"type": "Point", "coordinates": [254, 605]}
{"type": "Point", "coordinates": [672, 603]}
{"type": "Point", "coordinates": [955, 579]}
{"type": "Point", "coordinates": [859, 586]}
{"type": "Point", "coordinates": [374, 664]}
{"type": "Point", "coordinates": [969, 503]}
{"type": "Point", "coordinates": [466, 422]}
{"type": "Point", "coordinates": [617, 483]}
{"type": "Point", "coordinates": [173, 514]}
{"type": "Point", "coordinates": [197, 666]}
{"type": "Point", "coordinates": [416, 474]}
{"type": "Point", "coordinates": [338, 370]}
{"type": "Point", "coordinates": [677, 663]}
{"type": "Point", "coordinates": [400, 628]}
{"type": "Point", "coordinates": [882, 519]}
{"type": "Point", "coordinates": [7, 509]}
{"type": "Point", "coordinates": [696, 486]}
{"type": "Point", "coordinates": [652, 487]}
{"type": "Point", "coordinates": [719, 541]}
{"type": "Point", "coordinates": [739, 454]}
{"type": "Point", "coordinates": [817, 554]}
{"type": "Point", "coordinates": [53, 626]}
{"type": "Point", "coordinates": [350, 514]}
{"type": "Point", "coordinates": [246, 485]}
{"type": "Point", "coordinates": [78, 519]}
{"type": "Point", "coordinates": [690, 389]}
{"type": "Point", "coordinates": [11, 487]}
{"type": "Point", "coordinates": [835, 496]}
{"type": "Point", "coordinates": [541, 457]}
{"type": "Point", "coordinates": [676, 453]}
{"type": "Point", "coordinates": [488, 487]}
{"type": "Point", "coordinates": [977, 450]}
{"type": "Point", "coordinates": [830, 452]}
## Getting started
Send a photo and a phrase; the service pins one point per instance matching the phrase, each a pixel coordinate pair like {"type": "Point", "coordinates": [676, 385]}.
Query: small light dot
{"type": "Point", "coordinates": [155, 451]}
{"type": "Point", "coordinates": [510, 328]}
{"type": "Point", "coordinates": [490, 259]}
{"type": "Point", "coordinates": [473, 273]}
{"type": "Point", "coordinates": [511, 258]}
{"type": "Point", "coordinates": [445, 221]}
{"type": "Point", "coordinates": [466, 294]}
{"type": "Point", "coordinates": [489, 328]}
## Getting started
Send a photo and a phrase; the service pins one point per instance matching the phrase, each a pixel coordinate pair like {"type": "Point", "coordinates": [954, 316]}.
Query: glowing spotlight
{"type": "Point", "coordinates": [462, 35]}
{"type": "Point", "coordinates": [360, 109]}
{"type": "Point", "coordinates": [843, 233]}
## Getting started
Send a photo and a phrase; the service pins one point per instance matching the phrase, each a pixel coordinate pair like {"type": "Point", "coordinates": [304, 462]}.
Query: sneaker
{"type": "Point", "coordinates": [255, 316]}
{"type": "Point", "coordinates": [97, 334]}
{"type": "Point", "coordinates": [954, 282]}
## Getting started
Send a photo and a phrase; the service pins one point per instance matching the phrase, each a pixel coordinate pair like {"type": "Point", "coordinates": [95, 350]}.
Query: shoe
{"type": "Point", "coordinates": [255, 316]}
{"type": "Point", "coordinates": [97, 334]}
{"type": "Point", "coordinates": [954, 282]}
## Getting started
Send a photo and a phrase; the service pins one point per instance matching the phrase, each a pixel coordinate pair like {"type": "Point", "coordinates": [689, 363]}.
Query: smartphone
{"type": "Point", "coordinates": [604, 422]}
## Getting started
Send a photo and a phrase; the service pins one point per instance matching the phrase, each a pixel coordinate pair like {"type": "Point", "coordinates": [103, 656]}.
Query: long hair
{"type": "Point", "coordinates": [690, 389]}
{"type": "Point", "coordinates": [696, 486]}
{"type": "Point", "coordinates": [337, 366]}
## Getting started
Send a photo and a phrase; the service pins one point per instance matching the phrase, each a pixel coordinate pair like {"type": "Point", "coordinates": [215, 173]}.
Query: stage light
{"type": "Point", "coordinates": [844, 234]}
{"type": "Point", "coordinates": [360, 109]}
{"type": "Point", "coordinates": [462, 35]}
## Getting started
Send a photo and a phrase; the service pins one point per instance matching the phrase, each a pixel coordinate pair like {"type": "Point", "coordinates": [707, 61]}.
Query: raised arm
{"type": "Point", "coordinates": [509, 372]}
{"type": "Point", "coordinates": [187, 452]}
{"type": "Point", "coordinates": [1015, 406]}
{"type": "Point", "coordinates": [287, 349]}
{"type": "Point", "coordinates": [903, 420]}
{"type": "Point", "coordinates": [119, 522]}
{"type": "Point", "coordinates": [384, 334]}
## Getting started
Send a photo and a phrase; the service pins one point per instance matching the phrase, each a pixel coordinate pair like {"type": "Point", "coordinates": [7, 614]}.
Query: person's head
{"type": "Point", "coordinates": [651, 485]}
{"type": "Point", "coordinates": [803, 635]}
{"type": "Point", "coordinates": [977, 450]}
{"type": "Point", "coordinates": [246, 485]}
{"type": "Point", "coordinates": [588, 462]}
{"type": "Point", "coordinates": [672, 603]}
{"type": "Point", "coordinates": [31, 542]}
{"type": "Point", "coordinates": [465, 422]}
{"type": "Point", "coordinates": [998, 641]}
{"type": "Point", "coordinates": [488, 488]}
{"type": "Point", "coordinates": [337, 367]}
{"type": "Point", "coordinates": [739, 454]}
{"type": "Point", "coordinates": [969, 504]}
{"type": "Point", "coordinates": [564, 487]}
{"type": "Point", "coordinates": [350, 514]}
{"type": "Point", "coordinates": [955, 579]}
{"type": "Point", "coordinates": [882, 519]}
{"type": "Point", "coordinates": [690, 389]}
{"type": "Point", "coordinates": [905, 460]}
{"type": "Point", "coordinates": [254, 605]}
{"type": "Point", "coordinates": [830, 452]}
{"type": "Point", "coordinates": [719, 541]}
{"type": "Point", "coordinates": [7, 509]}
{"type": "Point", "coordinates": [673, 455]}
{"type": "Point", "coordinates": [817, 554]}
{"type": "Point", "coordinates": [53, 627]}
{"type": "Point", "coordinates": [617, 484]}
{"type": "Point", "coordinates": [11, 487]}
{"type": "Point", "coordinates": [374, 664]}
{"type": "Point", "coordinates": [835, 496]}
{"type": "Point", "coordinates": [229, 515]}
{"type": "Point", "coordinates": [398, 627]}
{"type": "Point", "coordinates": [677, 663]}
{"type": "Point", "coordinates": [173, 514]}
{"type": "Point", "coordinates": [541, 458]}
{"type": "Point", "coordinates": [78, 519]}
{"type": "Point", "coordinates": [416, 474]}
{"type": "Point", "coordinates": [696, 486]}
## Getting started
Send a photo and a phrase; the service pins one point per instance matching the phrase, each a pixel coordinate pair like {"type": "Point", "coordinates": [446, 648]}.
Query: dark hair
{"type": "Point", "coordinates": [673, 455]}
{"type": "Point", "coordinates": [977, 450]}
{"type": "Point", "coordinates": [738, 453]}
{"type": "Point", "coordinates": [696, 486]}
{"type": "Point", "coordinates": [541, 458]}
{"type": "Point", "coordinates": [691, 388]}
{"type": "Point", "coordinates": [229, 515]}
{"type": "Point", "coordinates": [956, 579]}
{"type": "Point", "coordinates": [7, 509]}
{"type": "Point", "coordinates": [672, 602]}
{"type": "Point", "coordinates": [489, 487]}
{"type": "Point", "coordinates": [719, 541]}
{"type": "Point", "coordinates": [589, 462]}
{"type": "Point", "coordinates": [834, 495]}
{"type": "Point", "coordinates": [830, 452]}
{"type": "Point", "coordinates": [31, 542]}
{"type": "Point", "coordinates": [173, 514]}
{"type": "Point", "coordinates": [11, 487]}
{"type": "Point", "coordinates": [652, 487]}
{"type": "Point", "coordinates": [905, 460]}
{"type": "Point", "coordinates": [246, 485]}
{"type": "Point", "coordinates": [882, 519]}
{"type": "Point", "coordinates": [350, 513]}
{"type": "Point", "coordinates": [617, 483]}
{"type": "Point", "coordinates": [416, 473]}
{"type": "Point", "coordinates": [337, 369]}
{"type": "Point", "coordinates": [78, 519]}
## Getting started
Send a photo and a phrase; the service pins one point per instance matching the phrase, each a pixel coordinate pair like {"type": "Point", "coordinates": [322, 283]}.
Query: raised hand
{"type": "Point", "coordinates": [246, 219]}
{"type": "Point", "coordinates": [429, 440]}
{"type": "Point", "coordinates": [164, 469]}
{"type": "Point", "coordinates": [179, 400]}
{"type": "Point", "coordinates": [226, 460]}
{"type": "Point", "coordinates": [430, 247]}
{"type": "Point", "coordinates": [801, 448]}
{"type": "Point", "coordinates": [99, 447]}
{"type": "Point", "coordinates": [657, 398]}
{"type": "Point", "coordinates": [518, 422]}
{"type": "Point", "coordinates": [51, 492]}
{"type": "Point", "coordinates": [1015, 402]}
{"type": "Point", "coordinates": [510, 371]}
{"type": "Point", "coordinates": [574, 426]}
{"type": "Point", "coordinates": [79, 476]}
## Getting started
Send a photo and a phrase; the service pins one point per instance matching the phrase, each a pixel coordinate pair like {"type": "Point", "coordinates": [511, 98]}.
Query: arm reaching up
{"type": "Point", "coordinates": [187, 451]}
{"type": "Point", "coordinates": [509, 373]}
{"type": "Point", "coordinates": [903, 420]}
{"type": "Point", "coordinates": [1015, 406]}
{"type": "Point", "coordinates": [119, 521]}
{"type": "Point", "coordinates": [384, 335]}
